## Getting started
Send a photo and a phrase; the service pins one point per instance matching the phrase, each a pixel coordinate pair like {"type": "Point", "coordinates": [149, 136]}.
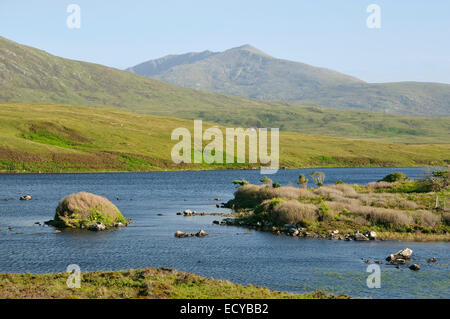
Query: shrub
{"type": "Point", "coordinates": [240, 182]}
{"type": "Point", "coordinates": [339, 182]}
{"type": "Point", "coordinates": [302, 181]}
{"type": "Point", "coordinates": [318, 178]}
{"type": "Point", "coordinates": [394, 177]}
{"type": "Point", "coordinates": [293, 212]}
{"type": "Point", "coordinates": [266, 181]}
{"type": "Point", "coordinates": [426, 218]}
{"type": "Point", "coordinates": [446, 218]}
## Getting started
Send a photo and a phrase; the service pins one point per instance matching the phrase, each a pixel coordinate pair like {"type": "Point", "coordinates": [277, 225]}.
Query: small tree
{"type": "Point", "coordinates": [266, 181]}
{"type": "Point", "coordinates": [302, 181]}
{"type": "Point", "coordinates": [318, 178]}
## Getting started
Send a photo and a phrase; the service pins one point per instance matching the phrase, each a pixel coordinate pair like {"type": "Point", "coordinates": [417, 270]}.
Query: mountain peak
{"type": "Point", "coordinates": [250, 48]}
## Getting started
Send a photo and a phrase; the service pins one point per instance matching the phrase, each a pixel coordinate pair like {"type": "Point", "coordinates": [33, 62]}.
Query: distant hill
{"type": "Point", "coordinates": [31, 75]}
{"type": "Point", "coordinates": [54, 138]}
{"type": "Point", "coordinates": [248, 72]}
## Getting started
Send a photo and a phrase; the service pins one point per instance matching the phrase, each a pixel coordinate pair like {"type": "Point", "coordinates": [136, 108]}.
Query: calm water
{"type": "Point", "coordinates": [282, 263]}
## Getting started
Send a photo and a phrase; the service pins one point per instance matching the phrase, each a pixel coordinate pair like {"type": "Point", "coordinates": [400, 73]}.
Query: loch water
{"type": "Point", "coordinates": [278, 262]}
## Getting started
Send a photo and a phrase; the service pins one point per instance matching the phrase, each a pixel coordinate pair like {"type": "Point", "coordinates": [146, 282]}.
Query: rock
{"type": "Point", "coordinates": [398, 261]}
{"type": "Point", "coordinates": [187, 212]}
{"type": "Point", "coordinates": [367, 261]}
{"type": "Point", "coordinates": [335, 232]}
{"type": "Point", "coordinates": [379, 262]}
{"type": "Point", "coordinates": [38, 223]}
{"type": "Point", "coordinates": [359, 236]}
{"type": "Point", "coordinates": [432, 260]}
{"type": "Point", "coordinates": [56, 231]}
{"type": "Point", "coordinates": [217, 198]}
{"type": "Point", "coordinates": [180, 234]}
{"type": "Point", "coordinates": [119, 225]}
{"type": "Point", "coordinates": [97, 227]}
{"type": "Point", "coordinates": [161, 215]}
{"type": "Point", "coordinates": [25, 197]}
{"type": "Point", "coordinates": [85, 210]}
{"type": "Point", "coordinates": [179, 213]}
{"type": "Point", "coordinates": [372, 235]}
{"type": "Point", "coordinates": [118, 198]}
{"type": "Point", "coordinates": [201, 233]}
{"type": "Point", "coordinates": [401, 254]}
{"type": "Point", "coordinates": [414, 267]}
{"type": "Point", "coordinates": [216, 222]}
{"type": "Point", "coordinates": [10, 228]}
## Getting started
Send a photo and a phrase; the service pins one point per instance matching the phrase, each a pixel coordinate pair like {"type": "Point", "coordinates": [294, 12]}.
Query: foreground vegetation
{"type": "Point", "coordinates": [400, 209]}
{"type": "Point", "coordinates": [55, 138]}
{"type": "Point", "coordinates": [32, 75]}
{"type": "Point", "coordinates": [140, 283]}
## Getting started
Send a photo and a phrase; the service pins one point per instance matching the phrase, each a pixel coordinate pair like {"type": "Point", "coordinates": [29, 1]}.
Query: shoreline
{"type": "Point", "coordinates": [207, 169]}
{"type": "Point", "coordinates": [143, 283]}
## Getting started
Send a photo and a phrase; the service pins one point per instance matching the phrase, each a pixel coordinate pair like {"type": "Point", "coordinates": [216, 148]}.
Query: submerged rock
{"type": "Point", "coordinates": [414, 267]}
{"type": "Point", "coordinates": [87, 211]}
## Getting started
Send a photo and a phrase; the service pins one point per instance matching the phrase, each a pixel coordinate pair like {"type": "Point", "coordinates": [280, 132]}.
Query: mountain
{"type": "Point", "coordinates": [248, 72]}
{"type": "Point", "coordinates": [31, 75]}
{"type": "Point", "coordinates": [60, 138]}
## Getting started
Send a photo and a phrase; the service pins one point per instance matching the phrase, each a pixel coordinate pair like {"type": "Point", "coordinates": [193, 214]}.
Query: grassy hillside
{"type": "Point", "coordinates": [31, 75]}
{"type": "Point", "coordinates": [246, 71]}
{"type": "Point", "coordinates": [140, 283]}
{"type": "Point", "coordinates": [54, 138]}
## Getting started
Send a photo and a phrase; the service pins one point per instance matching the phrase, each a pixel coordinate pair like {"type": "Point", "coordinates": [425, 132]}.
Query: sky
{"type": "Point", "coordinates": [412, 43]}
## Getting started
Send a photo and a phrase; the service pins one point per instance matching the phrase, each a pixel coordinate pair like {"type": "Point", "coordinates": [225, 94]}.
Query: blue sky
{"type": "Point", "coordinates": [413, 42]}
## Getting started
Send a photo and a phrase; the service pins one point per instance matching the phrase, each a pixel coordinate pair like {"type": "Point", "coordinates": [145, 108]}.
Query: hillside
{"type": "Point", "coordinates": [32, 75]}
{"type": "Point", "coordinates": [249, 72]}
{"type": "Point", "coordinates": [55, 138]}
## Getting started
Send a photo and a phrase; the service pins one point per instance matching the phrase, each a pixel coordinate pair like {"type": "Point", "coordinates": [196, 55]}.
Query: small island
{"type": "Point", "coordinates": [87, 211]}
{"type": "Point", "coordinates": [392, 208]}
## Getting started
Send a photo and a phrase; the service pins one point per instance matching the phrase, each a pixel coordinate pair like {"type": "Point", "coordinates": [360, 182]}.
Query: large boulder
{"type": "Point", "coordinates": [87, 211]}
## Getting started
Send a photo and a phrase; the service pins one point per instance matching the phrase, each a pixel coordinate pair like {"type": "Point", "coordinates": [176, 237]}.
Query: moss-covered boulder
{"type": "Point", "coordinates": [84, 210]}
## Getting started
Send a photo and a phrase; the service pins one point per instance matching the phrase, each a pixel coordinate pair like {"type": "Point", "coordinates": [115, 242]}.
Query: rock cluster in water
{"type": "Point", "coordinates": [180, 234]}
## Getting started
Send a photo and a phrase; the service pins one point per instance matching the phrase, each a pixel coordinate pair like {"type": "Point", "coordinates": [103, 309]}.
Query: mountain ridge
{"type": "Point", "coordinates": [249, 72]}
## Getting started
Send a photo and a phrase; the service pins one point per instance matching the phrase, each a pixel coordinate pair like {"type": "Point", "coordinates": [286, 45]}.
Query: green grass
{"type": "Point", "coordinates": [31, 75]}
{"type": "Point", "coordinates": [141, 283]}
{"type": "Point", "coordinates": [55, 138]}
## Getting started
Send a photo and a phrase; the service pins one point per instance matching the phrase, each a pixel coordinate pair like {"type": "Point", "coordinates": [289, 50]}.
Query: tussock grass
{"type": "Point", "coordinates": [82, 209]}
{"type": "Point", "coordinates": [293, 212]}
